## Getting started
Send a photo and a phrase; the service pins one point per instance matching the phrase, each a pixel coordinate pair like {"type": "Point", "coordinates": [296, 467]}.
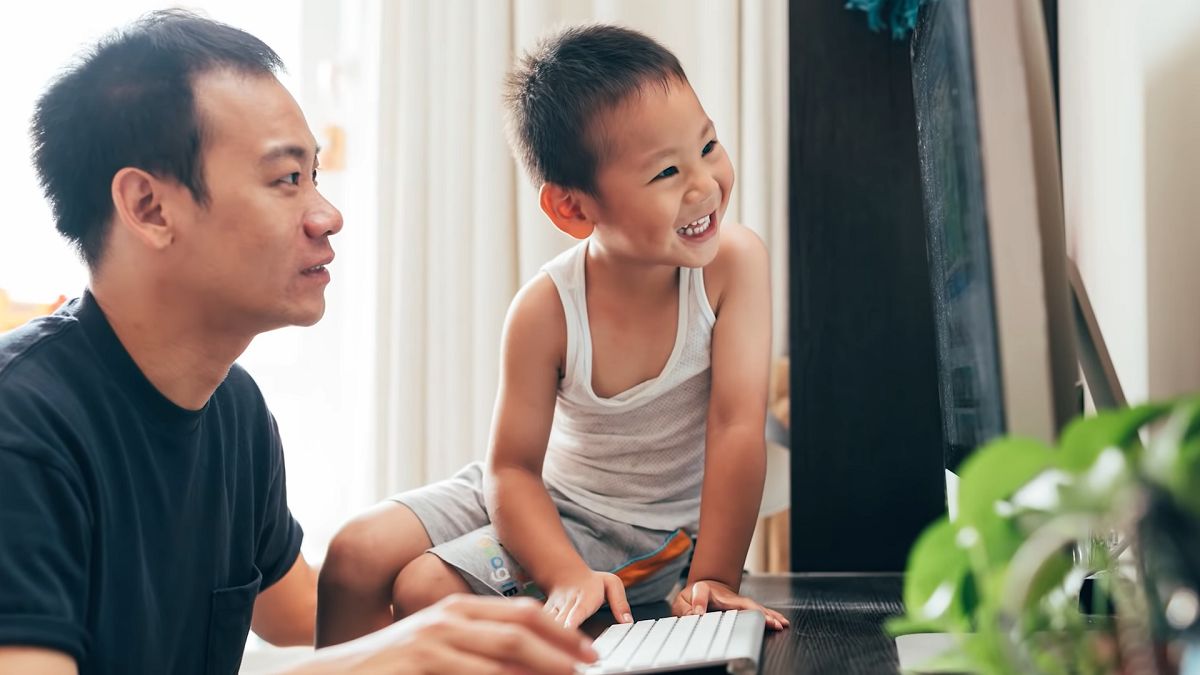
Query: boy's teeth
{"type": "Point", "coordinates": [694, 228]}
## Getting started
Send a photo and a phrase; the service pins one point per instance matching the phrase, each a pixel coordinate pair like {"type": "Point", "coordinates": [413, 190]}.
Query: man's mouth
{"type": "Point", "coordinates": [696, 227]}
{"type": "Point", "coordinates": [315, 269]}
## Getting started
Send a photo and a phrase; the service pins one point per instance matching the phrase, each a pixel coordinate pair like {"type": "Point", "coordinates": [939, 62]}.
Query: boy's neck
{"type": "Point", "coordinates": [627, 277]}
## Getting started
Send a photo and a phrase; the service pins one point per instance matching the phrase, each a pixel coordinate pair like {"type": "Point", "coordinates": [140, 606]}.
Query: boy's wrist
{"type": "Point", "coordinates": [567, 574]}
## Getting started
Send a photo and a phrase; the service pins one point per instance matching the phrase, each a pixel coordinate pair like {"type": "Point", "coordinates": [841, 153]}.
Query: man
{"type": "Point", "coordinates": [144, 524]}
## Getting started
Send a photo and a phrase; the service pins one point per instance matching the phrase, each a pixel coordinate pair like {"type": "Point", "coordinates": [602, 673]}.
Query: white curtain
{"type": "Point", "coordinates": [460, 228]}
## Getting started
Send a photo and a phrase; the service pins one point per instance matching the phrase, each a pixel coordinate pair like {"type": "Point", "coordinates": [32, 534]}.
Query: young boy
{"type": "Point", "coordinates": [633, 378]}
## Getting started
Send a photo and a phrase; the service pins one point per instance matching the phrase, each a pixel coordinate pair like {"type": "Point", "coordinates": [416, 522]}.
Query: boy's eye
{"type": "Point", "coordinates": [708, 147]}
{"type": "Point", "coordinates": [667, 172]}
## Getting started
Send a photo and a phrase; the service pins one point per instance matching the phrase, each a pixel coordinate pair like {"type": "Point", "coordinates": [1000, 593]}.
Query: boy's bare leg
{"type": "Point", "coordinates": [354, 591]}
{"type": "Point", "coordinates": [423, 582]}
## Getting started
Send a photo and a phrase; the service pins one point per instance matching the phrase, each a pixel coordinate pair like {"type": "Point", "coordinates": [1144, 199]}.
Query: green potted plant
{"type": "Point", "coordinates": [1080, 559]}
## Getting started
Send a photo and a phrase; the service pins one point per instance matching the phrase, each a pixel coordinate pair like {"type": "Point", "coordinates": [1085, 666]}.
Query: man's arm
{"type": "Point", "coordinates": [285, 613]}
{"type": "Point", "coordinates": [36, 661]}
{"type": "Point", "coordinates": [520, 508]}
{"type": "Point", "coordinates": [462, 634]}
{"type": "Point", "coordinates": [735, 444]}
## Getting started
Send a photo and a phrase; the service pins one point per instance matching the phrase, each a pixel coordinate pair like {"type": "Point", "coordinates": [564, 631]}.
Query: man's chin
{"type": "Point", "coordinates": [311, 317]}
{"type": "Point", "coordinates": [303, 317]}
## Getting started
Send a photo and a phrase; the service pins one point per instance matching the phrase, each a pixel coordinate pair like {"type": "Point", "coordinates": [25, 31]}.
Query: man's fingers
{"type": "Point", "coordinates": [450, 659]}
{"type": "Point", "coordinates": [513, 645]}
{"type": "Point", "coordinates": [618, 603]}
{"type": "Point", "coordinates": [526, 613]}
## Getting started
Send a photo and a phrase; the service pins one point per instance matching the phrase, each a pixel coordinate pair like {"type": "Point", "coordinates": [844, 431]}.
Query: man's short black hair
{"type": "Point", "coordinates": [128, 102]}
{"type": "Point", "coordinates": [556, 92]}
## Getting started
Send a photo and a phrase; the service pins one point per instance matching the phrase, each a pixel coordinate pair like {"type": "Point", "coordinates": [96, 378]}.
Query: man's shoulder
{"type": "Point", "coordinates": [40, 360]}
{"type": "Point", "coordinates": [39, 365]}
{"type": "Point", "coordinates": [240, 390]}
{"type": "Point", "coordinates": [34, 347]}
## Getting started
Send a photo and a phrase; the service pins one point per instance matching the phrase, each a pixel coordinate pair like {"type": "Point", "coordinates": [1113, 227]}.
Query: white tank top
{"type": "Point", "coordinates": [637, 457]}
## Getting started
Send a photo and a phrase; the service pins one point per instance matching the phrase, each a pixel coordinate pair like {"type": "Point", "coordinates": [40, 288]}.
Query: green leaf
{"type": "Point", "coordinates": [1173, 459]}
{"type": "Point", "coordinates": [1100, 486]}
{"type": "Point", "coordinates": [933, 584]}
{"type": "Point", "coordinates": [907, 625]}
{"type": "Point", "coordinates": [1087, 437]}
{"type": "Point", "coordinates": [1050, 576]}
{"type": "Point", "coordinates": [989, 479]}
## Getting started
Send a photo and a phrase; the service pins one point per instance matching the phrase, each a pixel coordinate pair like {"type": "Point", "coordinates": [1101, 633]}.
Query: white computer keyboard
{"type": "Point", "coordinates": [729, 638]}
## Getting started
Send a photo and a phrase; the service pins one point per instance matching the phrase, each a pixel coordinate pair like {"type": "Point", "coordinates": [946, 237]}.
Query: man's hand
{"type": "Point", "coordinates": [571, 601]}
{"type": "Point", "coordinates": [705, 595]}
{"type": "Point", "coordinates": [463, 634]}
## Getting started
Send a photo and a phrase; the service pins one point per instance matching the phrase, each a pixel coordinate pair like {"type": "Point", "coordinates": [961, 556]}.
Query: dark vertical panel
{"type": "Point", "coordinates": [1050, 12]}
{"type": "Point", "coordinates": [867, 471]}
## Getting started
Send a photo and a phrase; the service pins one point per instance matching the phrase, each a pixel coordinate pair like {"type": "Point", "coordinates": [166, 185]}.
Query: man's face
{"type": "Point", "coordinates": [664, 182]}
{"type": "Point", "coordinates": [253, 258]}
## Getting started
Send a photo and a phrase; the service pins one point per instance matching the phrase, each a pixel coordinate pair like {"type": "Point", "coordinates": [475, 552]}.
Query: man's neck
{"type": "Point", "coordinates": [183, 358]}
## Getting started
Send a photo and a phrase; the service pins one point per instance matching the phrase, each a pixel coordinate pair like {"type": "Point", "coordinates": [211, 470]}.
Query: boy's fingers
{"type": "Point", "coordinates": [700, 595]}
{"type": "Point", "coordinates": [618, 603]}
{"type": "Point", "coordinates": [576, 615]}
{"type": "Point", "coordinates": [680, 606]}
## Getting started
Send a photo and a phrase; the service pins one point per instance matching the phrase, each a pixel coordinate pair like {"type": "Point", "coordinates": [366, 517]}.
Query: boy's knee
{"type": "Point", "coordinates": [423, 582]}
{"type": "Point", "coordinates": [353, 559]}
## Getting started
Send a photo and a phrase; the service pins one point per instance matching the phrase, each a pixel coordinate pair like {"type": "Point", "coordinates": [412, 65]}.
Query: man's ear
{"type": "Point", "coordinates": [566, 211]}
{"type": "Point", "coordinates": [138, 200]}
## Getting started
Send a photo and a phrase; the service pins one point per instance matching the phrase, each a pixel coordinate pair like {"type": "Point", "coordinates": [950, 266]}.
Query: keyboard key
{"type": "Point", "coordinates": [721, 642]}
{"type": "Point", "coordinates": [609, 640]}
{"type": "Point", "coordinates": [633, 639]}
{"type": "Point", "coordinates": [697, 647]}
{"type": "Point", "coordinates": [677, 640]}
{"type": "Point", "coordinates": [653, 643]}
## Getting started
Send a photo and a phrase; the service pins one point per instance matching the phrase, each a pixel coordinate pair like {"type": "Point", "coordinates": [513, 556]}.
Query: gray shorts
{"type": "Point", "coordinates": [649, 562]}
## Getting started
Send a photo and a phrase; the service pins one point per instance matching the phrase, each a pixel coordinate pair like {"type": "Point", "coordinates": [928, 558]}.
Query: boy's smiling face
{"type": "Point", "coordinates": [663, 180]}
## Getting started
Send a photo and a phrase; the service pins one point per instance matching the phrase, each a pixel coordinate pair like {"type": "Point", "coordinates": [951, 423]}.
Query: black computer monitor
{"type": "Point", "coordinates": [991, 184]}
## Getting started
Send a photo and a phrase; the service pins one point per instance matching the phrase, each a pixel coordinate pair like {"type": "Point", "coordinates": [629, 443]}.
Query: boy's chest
{"type": "Point", "coordinates": [631, 348]}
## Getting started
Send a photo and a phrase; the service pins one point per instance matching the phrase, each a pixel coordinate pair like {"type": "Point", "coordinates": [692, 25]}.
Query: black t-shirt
{"type": "Point", "coordinates": [134, 534]}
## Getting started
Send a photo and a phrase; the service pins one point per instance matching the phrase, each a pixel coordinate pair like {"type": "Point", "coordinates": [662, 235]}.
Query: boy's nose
{"type": "Point", "coordinates": [702, 188]}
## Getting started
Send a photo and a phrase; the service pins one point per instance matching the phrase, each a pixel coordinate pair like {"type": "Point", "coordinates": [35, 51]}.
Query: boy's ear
{"type": "Point", "coordinates": [565, 210]}
{"type": "Point", "coordinates": [138, 201]}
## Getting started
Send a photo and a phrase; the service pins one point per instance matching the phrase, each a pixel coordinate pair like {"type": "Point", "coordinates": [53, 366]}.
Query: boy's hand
{"type": "Point", "coordinates": [705, 595]}
{"type": "Point", "coordinates": [571, 601]}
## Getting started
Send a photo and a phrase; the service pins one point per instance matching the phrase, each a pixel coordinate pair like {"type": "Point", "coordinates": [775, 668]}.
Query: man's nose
{"type": "Point", "coordinates": [322, 220]}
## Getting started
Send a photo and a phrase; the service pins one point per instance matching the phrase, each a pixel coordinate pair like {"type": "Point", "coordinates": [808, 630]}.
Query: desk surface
{"type": "Point", "coordinates": [837, 622]}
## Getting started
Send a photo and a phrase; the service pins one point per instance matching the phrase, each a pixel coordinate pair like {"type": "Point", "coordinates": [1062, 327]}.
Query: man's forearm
{"type": "Point", "coordinates": [734, 471]}
{"type": "Point", "coordinates": [529, 525]}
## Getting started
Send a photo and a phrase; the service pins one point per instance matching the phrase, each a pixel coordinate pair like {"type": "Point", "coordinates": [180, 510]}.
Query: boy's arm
{"type": "Point", "coordinates": [525, 518]}
{"type": "Point", "coordinates": [735, 455]}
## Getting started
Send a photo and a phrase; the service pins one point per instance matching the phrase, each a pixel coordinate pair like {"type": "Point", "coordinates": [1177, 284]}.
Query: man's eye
{"type": "Point", "coordinates": [314, 177]}
{"type": "Point", "coordinates": [667, 172]}
{"type": "Point", "coordinates": [292, 178]}
{"type": "Point", "coordinates": [708, 147]}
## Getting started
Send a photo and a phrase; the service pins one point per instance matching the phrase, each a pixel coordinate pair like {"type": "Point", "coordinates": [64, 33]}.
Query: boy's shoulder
{"type": "Point", "coordinates": [741, 252]}
{"type": "Point", "coordinates": [536, 319]}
